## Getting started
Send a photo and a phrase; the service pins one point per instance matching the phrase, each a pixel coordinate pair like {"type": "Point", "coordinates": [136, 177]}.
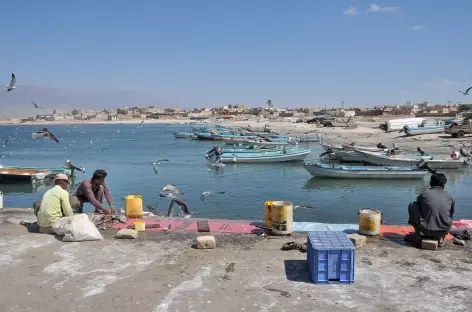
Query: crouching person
{"type": "Point", "coordinates": [54, 205]}
{"type": "Point", "coordinates": [431, 214]}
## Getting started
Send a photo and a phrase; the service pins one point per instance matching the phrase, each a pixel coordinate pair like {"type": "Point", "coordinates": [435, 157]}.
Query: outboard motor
{"type": "Point", "coordinates": [391, 152]}
{"type": "Point", "coordinates": [329, 151]}
{"type": "Point", "coordinates": [420, 150]}
{"type": "Point", "coordinates": [381, 146]}
{"type": "Point", "coordinates": [383, 126]}
{"type": "Point", "coordinates": [423, 164]}
{"type": "Point", "coordinates": [404, 129]}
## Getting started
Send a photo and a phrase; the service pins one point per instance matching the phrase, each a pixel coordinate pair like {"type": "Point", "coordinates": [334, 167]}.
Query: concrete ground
{"type": "Point", "coordinates": [162, 272]}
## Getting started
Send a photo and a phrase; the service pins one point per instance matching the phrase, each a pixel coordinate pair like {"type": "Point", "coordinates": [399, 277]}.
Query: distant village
{"type": "Point", "coordinates": [233, 110]}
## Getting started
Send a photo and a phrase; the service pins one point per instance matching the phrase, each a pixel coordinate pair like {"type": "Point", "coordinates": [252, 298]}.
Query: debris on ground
{"type": "Point", "coordinates": [104, 222]}
{"type": "Point", "coordinates": [294, 246]}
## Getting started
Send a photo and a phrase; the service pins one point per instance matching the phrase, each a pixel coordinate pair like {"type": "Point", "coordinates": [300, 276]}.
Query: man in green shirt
{"type": "Point", "coordinates": [54, 205]}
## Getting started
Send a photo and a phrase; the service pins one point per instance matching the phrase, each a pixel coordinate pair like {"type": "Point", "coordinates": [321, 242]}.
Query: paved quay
{"type": "Point", "coordinates": [162, 272]}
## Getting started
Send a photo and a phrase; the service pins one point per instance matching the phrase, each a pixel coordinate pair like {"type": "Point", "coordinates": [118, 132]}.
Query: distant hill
{"type": "Point", "coordinates": [17, 103]}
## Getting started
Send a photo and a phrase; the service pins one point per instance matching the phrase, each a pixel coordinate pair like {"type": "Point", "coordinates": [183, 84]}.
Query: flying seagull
{"type": "Point", "coordinates": [44, 132]}
{"type": "Point", "coordinates": [171, 191]}
{"type": "Point", "coordinates": [12, 83]}
{"type": "Point", "coordinates": [104, 149]}
{"type": "Point", "coordinates": [158, 162]}
{"type": "Point", "coordinates": [466, 92]}
{"type": "Point", "coordinates": [36, 105]}
{"type": "Point", "coordinates": [202, 197]}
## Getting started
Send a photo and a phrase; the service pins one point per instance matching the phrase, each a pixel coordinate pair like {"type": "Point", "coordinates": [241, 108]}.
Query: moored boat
{"type": "Point", "coordinates": [183, 135]}
{"type": "Point", "coordinates": [266, 157]}
{"type": "Point", "coordinates": [364, 172]}
{"type": "Point", "coordinates": [18, 175]}
{"type": "Point", "coordinates": [424, 129]}
{"type": "Point", "coordinates": [409, 161]}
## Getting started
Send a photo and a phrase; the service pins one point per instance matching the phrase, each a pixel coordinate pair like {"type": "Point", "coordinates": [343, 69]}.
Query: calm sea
{"type": "Point", "coordinates": [128, 153]}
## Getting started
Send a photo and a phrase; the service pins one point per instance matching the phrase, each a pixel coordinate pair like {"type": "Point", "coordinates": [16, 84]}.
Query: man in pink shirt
{"type": "Point", "coordinates": [92, 191]}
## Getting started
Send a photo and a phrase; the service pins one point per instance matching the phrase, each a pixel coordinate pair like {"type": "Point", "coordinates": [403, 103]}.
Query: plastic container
{"type": "Point", "coordinates": [140, 226]}
{"type": "Point", "coordinates": [267, 214]}
{"type": "Point", "coordinates": [330, 257]}
{"type": "Point", "coordinates": [281, 216]}
{"type": "Point", "coordinates": [134, 206]}
{"type": "Point", "coordinates": [370, 221]}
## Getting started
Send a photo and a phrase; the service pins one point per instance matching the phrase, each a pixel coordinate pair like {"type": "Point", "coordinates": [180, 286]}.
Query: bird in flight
{"type": "Point", "coordinates": [11, 86]}
{"type": "Point", "coordinates": [158, 162]}
{"type": "Point", "coordinates": [44, 132]}
{"type": "Point", "coordinates": [466, 92]}
{"type": "Point", "coordinates": [104, 149]}
{"type": "Point", "coordinates": [202, 197]}
{"type": "Point", "coordinates": [36, 105]}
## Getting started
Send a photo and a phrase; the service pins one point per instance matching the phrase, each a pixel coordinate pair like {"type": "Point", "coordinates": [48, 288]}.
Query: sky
{"type": "Point", "coordinates": [190, 53]}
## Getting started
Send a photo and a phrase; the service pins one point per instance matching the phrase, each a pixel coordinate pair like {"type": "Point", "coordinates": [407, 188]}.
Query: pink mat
{"type": "Point", "coordinates": [462, 224]}
{"type": "Point", "coordinates": [227, 227]}
{"type": "Point", "coordinates": [174, 224]}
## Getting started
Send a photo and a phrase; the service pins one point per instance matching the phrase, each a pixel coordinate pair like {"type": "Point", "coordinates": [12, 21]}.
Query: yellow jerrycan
{"type": "Point", "coordinates": [134, 206]}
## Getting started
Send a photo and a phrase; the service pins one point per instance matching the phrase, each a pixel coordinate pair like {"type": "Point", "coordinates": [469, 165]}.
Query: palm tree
{"type": "Point", "coordinates": [269, 103]}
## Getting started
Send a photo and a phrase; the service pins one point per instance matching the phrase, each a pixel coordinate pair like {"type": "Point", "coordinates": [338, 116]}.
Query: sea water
{"type": "Point", "coordinates": [127, 152]}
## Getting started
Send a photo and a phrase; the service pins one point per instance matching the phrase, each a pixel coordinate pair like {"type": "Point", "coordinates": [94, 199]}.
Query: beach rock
{"type": "Point", "coordinates": [357, 239]}
{"type": "Point", "coordinates": [429, 244]}
{"type": "Point", "coordinates": [126, 233]}
{"type": "Point", "coordinates": [206, 242]}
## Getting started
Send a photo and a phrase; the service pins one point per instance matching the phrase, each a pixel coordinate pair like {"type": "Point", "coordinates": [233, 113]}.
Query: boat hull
{"type": "Point", "coordinates": [404, 161]}
{"type": "Point", "coordinates": [419, 131]}
{"type": "Point", "coordinates": [350, 172]}
{"type": "Point", "coordinates": [268, 158]}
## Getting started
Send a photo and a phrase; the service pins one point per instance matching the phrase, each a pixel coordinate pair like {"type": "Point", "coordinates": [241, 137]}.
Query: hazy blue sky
{"type": "Point", "coordinates": [209, 53]}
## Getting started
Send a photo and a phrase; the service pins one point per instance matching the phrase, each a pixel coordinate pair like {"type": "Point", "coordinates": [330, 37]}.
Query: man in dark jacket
{"type": "Point", "coordinates": [93, 191]}
{"type": "Point", "coordinates": [432, 212]}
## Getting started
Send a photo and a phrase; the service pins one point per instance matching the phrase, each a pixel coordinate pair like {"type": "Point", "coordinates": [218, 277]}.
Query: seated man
{"type": "Point", "coordinates": [92, 191]}
{"type": "Point", "coordinates": [431, 215]}
{"type": "Point", "coordinates": [54, 205]}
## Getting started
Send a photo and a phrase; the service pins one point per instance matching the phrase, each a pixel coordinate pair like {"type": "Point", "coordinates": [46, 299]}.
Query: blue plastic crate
{"type": "Point", "coordinates": [330, 257]}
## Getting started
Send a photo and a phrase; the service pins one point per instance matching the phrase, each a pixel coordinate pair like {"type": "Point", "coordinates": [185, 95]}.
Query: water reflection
{"type": "Point", "coordinates": [315, 183]}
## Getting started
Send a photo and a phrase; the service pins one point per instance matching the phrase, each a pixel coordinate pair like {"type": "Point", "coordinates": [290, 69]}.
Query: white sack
{"type": "Point", "coordinates": [77, 228]}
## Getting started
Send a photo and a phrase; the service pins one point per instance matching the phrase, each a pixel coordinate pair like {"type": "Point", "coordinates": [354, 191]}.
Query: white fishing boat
{"type": "Point", "coordinates": [411, 161]}
{"type": "Point", "coordinates": [424, 129]}
{"type": "Point", "coordinates": [364, 172]}
{"type": "Point", "coordinates": [266, 157]}
{"type": "Point", "coordinates": [346, 153]}
{"type": "Point", "coordinates": [398, 124]}
{"type": "Point", "coordinates": [184, 135]}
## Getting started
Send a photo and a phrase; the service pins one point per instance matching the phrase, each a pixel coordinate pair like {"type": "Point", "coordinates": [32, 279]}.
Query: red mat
{"type": "Point", "coordinates": [400, 230]}
{"type": "Point", "coordinates": [174, 224]}
{"type": "Point", "coordinates": [227, 227]}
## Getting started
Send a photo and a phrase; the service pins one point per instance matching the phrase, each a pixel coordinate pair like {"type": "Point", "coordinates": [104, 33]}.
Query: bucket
{"type": "Point", "coordinates": [267, 214]}
{"type": "Point", "coordinates": [370, 221]}
{"type": "Point", "coordinates": [281, 216]}
{"type": "Point", "coordinates": [140, 226]}
{"type": "Point", "coordinates": [133, 206]}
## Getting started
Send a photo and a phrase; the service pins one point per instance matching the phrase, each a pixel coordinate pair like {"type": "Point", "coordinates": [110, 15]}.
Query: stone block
{"type": "Point", "coordinates": [358, 240]}
{"type": "Point", "coordinates": [429, 244]}
{"type": "Point", "coordinates": [126, 233]}
{"type": "Point", "coordinates": [206, 242]}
